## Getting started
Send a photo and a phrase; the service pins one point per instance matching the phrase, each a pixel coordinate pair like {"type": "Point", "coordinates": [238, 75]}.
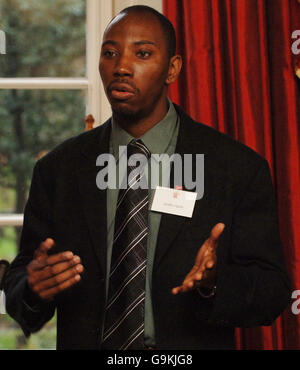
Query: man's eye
{"type": "Point", "coordinates": [109, 53]}
{"type": "Point", "coordinates": [144, 54]}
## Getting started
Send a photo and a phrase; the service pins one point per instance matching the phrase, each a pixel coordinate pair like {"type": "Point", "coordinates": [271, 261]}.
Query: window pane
{"type": "Point", "coordinates": [43, 38]}
{"type": "Point", "coordinates": [11, 335]}
{"type": "Point", "coordinates": [8, 242]}
{"type": "Point", "coordinates": [32, 122]}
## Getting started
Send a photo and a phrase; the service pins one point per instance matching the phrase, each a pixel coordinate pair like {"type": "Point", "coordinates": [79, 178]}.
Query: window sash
{"type": "Point", "coordinates": [98, 14]}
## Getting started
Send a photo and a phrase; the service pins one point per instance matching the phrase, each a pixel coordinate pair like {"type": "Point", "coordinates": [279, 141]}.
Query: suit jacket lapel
{"type": "Point", "coordinates": [171, 225]}
{"type": "Point", "coordinates": [94, 199]}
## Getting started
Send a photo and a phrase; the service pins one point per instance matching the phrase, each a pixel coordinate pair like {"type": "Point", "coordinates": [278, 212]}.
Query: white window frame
{"type": "Point", "coordinates": [98, 14]}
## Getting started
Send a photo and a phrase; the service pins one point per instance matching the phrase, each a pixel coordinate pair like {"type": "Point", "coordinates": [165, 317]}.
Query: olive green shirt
{"type": "Point", "coordinates": [160, 139]}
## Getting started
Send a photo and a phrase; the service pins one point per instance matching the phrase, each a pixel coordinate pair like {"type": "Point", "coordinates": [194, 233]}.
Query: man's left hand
{"type": "Point", "coordinates": [203, 272]}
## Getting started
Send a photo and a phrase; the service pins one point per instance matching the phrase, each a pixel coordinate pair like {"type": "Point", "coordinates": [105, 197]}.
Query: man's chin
{"type": "Point", "coordinates": [125, 110]}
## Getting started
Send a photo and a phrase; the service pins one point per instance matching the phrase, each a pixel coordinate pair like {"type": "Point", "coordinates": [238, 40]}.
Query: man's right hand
{"type": "Point", "coordinates": [50, 275]}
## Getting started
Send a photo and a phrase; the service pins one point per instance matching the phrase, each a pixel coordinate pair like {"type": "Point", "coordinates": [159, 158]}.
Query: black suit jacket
{"type": "Point", "coordinates": [65, 204]}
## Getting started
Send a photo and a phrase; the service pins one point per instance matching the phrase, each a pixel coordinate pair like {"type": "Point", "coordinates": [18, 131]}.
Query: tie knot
{"type": "Point", "coordinates": [138, 147]}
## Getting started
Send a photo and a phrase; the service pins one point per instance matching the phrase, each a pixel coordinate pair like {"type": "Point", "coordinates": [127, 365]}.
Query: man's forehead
{"type": "Point", "coordinates": [138, 27]}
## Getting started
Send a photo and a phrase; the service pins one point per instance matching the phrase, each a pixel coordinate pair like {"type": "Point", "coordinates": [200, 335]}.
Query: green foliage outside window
{"type": "Point", "coordinates": [43, 39]}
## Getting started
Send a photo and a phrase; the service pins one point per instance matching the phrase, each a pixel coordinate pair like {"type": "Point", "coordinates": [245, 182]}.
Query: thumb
{"type": "Point", "coordinates": [216, 232]}
{"type": "Point", "coordinates": [44, 248]}
{"type": "Point", "coordinates": [49, 243]}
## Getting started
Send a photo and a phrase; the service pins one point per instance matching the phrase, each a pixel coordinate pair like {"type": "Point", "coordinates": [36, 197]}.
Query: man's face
{"type": "Point", "coordinates": [134, 64]}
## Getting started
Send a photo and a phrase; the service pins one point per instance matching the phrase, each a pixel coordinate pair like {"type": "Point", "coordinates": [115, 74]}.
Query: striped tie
{"type": "Point", "coordinates": [124, 321]}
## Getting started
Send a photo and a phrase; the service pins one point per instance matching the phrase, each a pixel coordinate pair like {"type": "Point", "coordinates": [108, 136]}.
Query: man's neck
{"type": "Point", "coordinates": [137, 126]}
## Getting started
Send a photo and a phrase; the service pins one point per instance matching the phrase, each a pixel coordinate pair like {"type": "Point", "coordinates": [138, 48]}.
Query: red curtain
{"type": "Point", "coordinates": [239, 77]}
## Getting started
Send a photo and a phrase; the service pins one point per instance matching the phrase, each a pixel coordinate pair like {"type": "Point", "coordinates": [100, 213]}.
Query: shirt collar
{"type": "Point", "coordinates": [157, 139]}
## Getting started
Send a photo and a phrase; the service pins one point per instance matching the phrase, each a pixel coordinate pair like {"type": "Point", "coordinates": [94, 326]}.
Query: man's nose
{"type": "Point", "coordinates": [123, 66]}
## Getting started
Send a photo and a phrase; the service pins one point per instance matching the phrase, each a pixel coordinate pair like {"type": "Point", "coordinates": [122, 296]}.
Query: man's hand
{"type": "Point", "coordinates": [49, 275]}
{"type": "Point", "coordinates": [203, 272]}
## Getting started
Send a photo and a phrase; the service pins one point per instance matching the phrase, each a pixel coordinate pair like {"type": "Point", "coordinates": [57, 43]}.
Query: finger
{"type": "Point", "coordinates": [62, 266]}
{"type": "Point", "coordinates": [196, 276]}
{"type": "Point", "coordinates": [58, 279]}
{"type": "Point", "coordinates": [45, 261]}
{"type": "Point", "coordinates": [59, 257]}
{"type": "Point", "coordinates": [183, 288]}
{"type": "Point", "coordinates": [176, 290]}
{"type": "Point", "coordinates": [216, 232]}
{"type": "Point", "coordinates": [210, 245]}
{"type": "Point", "coordinates": [35, 265]}
{"type": "Point", "coordinates": [52, 270]}
{"type": "Point", "coordinates": [208, 262]}
{"type": "Point", "coordinates": [39, 270]}
{"type": "Point", "coordinates": [44, 248]}
{"type": "Point", "coordinates": [189, 283]}
{"type": "Point", "coordinates": [50, 293]}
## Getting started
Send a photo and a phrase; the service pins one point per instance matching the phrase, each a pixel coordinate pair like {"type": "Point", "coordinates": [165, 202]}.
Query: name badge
{"type": "Point", "coordinates": [173, 201]}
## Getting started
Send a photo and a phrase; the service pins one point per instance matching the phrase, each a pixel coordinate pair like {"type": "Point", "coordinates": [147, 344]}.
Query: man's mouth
{"type": "Point", "coordinates": [121, 91]}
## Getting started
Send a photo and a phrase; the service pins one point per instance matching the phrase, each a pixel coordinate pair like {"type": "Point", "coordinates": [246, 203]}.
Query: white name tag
{"type": "Point", "coordinates": [2, 302]}
{"type": "Point", "coordinates": [173, 201]}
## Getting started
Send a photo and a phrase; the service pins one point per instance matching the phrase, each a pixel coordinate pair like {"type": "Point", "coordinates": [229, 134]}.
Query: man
{"type": "Point", "coordinates": [190, 281]}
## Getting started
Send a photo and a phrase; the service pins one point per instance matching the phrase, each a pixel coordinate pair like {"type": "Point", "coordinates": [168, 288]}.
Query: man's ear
{"type": "Point", "coordinates": [174, 69]}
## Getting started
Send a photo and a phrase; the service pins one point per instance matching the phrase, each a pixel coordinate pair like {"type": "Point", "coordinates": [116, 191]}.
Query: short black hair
{"type": "Point", "coordinates": [165, 23]}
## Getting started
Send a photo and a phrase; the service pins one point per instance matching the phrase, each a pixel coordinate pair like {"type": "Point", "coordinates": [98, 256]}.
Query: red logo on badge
{"type": "Point", "coordinates": [175, 194]}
